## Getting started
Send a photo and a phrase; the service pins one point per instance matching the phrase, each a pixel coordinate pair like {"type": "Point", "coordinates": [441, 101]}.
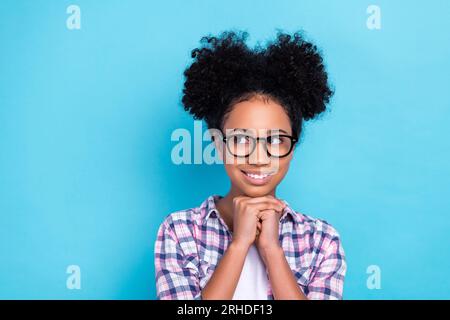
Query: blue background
{"type": "Point", "coordinates": [86, 117]}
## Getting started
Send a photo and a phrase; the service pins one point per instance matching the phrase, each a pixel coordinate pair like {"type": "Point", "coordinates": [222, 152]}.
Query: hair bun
{"type": "Point", "coordinates": [288, 69]}
{"type": "Point", "coordinates": [297, 69]}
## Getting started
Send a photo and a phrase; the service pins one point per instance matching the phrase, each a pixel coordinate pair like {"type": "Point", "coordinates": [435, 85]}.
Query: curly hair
{"type": "Point", "coordinates": [226, 71]}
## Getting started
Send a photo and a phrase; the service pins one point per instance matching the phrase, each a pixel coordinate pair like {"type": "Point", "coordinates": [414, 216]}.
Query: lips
{"type": "Point", "coordinates": [257, 177]}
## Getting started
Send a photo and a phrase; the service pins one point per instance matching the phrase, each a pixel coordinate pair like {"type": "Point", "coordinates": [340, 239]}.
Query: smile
{"type": "Point", "coordinates": [257, 178]}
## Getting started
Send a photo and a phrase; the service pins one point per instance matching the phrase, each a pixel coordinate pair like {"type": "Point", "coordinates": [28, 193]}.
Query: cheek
{"type": "Point", "coordinates": [282, 168]}
{"type": "Point", "coordinates": [233, 171]}
{"type": "Point", "coordinates": [235, 175]}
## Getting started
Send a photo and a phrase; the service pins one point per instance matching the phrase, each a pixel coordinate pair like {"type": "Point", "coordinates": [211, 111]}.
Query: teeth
{"type": "Point", "coordinates": [256, 176]}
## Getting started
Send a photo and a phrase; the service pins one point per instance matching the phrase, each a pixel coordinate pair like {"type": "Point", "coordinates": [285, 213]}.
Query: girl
{"type": "Point", "coordinates": [249, 244]}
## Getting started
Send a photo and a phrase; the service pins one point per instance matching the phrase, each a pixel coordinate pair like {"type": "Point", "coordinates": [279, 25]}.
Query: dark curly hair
{"type": "Point", "coordinates": [226, 71]}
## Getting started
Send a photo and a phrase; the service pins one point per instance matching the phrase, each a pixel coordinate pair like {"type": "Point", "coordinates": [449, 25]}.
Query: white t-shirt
{"type": "Point", "coordinates": [253, 282]}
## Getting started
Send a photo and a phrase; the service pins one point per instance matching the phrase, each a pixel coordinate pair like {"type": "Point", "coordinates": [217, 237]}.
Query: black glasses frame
{"type": "Point", "coordinates": [256, 141]}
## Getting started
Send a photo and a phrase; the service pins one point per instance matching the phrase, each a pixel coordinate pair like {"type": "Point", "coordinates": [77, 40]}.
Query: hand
{"type": "Point", "coordinates": [268, 228]}
{"type": "Point", "coordinates": [246, 215]}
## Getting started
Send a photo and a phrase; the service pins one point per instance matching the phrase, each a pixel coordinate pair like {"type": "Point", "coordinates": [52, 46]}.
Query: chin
{"type": "Point", "coordinates": [256, 191]}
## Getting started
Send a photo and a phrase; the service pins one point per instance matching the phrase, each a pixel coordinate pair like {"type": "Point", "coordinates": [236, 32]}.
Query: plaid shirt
{"type": "Point", "coordinates": [191, 242]}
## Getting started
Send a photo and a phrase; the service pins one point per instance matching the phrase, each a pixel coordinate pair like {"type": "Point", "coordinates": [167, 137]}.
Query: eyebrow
{"type": "Point", "coordinates": [245, 130]}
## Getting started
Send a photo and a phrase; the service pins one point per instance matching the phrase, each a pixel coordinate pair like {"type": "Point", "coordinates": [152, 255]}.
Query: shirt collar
{"type": "Point", "coordinates": [208, 209]}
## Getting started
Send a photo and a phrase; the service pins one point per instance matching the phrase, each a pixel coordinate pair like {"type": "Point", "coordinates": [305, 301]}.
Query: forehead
{"type": "Point", "coordinates": [258, 114]}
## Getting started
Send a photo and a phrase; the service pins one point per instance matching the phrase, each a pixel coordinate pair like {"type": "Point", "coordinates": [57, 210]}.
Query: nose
{"type": "Point", "coordinates": [260, 156]}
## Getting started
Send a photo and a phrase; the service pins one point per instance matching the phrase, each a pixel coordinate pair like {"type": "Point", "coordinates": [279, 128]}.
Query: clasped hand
{"type": "Point", "coordinates": [256, 220]}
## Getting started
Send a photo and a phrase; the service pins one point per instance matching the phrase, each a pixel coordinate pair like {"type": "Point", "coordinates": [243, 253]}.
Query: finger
{"type": "Point", "coordinates": [259, 203]}
{"type": "Point", "coordinates": [265, 214]}
{"type": "Point", "coordinates": [255, 207]}
{"type": "Point", "coordinates": [268, 204]}
{"type": "Point", "coordinates": [263, 199]}
{"type": "Point", "coordinates": [259, 225]}
{"type": "Point", "coordinates": [240, 199]}
{"type": "Point", "coordinates": [278, 200]}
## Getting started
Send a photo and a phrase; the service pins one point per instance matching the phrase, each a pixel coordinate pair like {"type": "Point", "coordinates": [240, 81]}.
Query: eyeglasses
{"type": "Point", "coordinates": [242, 144]}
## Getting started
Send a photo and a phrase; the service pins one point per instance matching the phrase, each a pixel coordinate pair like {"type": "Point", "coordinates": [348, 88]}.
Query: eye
{"type": "Point", "coordinates": [241, 139]}
{"type": "Point", "coordinates": [275, 140]}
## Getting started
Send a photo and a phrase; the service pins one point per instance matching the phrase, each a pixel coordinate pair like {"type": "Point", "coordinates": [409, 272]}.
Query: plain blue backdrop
{"type": "Point", "coordinates": [86, 117]}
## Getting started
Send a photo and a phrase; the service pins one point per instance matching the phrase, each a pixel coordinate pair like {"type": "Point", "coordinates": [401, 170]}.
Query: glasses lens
{"type": "Point", "coordinates": [240, 145]}
{"type": "Point", "coordinates": [278, 145]}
